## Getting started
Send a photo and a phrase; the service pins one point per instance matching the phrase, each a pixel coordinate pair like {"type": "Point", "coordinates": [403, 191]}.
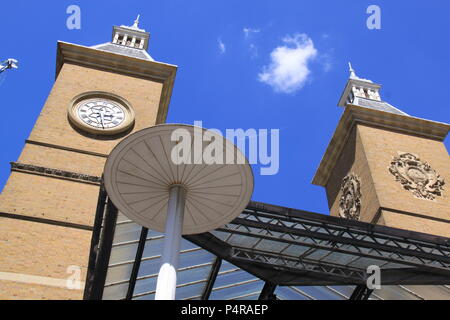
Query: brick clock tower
{"type": "Point", "coordinates": [101, 95]}
{"type": "Point", "coordinates": [386, 167]}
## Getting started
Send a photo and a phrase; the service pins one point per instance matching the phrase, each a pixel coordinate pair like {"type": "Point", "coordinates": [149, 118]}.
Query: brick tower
{"type": "Point", "coordinates": [101, 95]}
{"type": "Point", "coordinates": [386, 167]}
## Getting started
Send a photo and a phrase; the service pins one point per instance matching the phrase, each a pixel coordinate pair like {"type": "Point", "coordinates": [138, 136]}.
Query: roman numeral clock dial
{"type": "Point", "coordinates": [101, 115]}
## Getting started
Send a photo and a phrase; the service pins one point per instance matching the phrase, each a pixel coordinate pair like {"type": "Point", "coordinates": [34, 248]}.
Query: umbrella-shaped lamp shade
{"type": "Point", "coordinates": [144, 167]}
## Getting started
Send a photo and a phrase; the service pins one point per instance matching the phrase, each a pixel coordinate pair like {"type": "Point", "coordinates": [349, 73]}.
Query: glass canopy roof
{"type": "Point", "coordinates": [311, 256]}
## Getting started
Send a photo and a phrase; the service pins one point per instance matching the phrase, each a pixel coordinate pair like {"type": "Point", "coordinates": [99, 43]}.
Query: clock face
{"type": "Point", "coordinates": [101, 114]}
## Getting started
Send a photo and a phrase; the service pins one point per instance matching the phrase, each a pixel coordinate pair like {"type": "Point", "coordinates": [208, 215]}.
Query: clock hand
{"type": "Point", "coordinates": [95, 116]}
{"type": "Point", "coordinates": [101, 119]}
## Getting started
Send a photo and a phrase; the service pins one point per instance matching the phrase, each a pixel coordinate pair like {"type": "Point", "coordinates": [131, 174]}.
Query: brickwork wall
{"type": "Point", "coordinates": [40, 249]}
{"type": "Point", "coordinates": [381, 146]}
{"type": "Point", "coordinates": [353, 160]}
{"type": "Point", "coordinates": [368, 153]}
{"type": "Point", "coordinates": [63, 160]}
{"type": "Point", "coordinates": [50, 198]}
{"type": "Point", "coordinates": [53, 124]}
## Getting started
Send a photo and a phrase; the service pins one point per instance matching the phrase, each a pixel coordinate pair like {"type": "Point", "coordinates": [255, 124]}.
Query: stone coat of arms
{"type": "Point", "coordinates": [350, 202]}
{"type": "Point", "coordinates": [416, 176]}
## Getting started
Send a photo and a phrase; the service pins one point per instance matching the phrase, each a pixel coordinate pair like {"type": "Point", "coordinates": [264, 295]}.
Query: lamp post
{"type": "Point", "coordinates": [8, 64]}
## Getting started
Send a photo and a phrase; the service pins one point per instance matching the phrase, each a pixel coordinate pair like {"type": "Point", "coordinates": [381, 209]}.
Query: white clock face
{"type": "Point", "coordinates": [101, 114]}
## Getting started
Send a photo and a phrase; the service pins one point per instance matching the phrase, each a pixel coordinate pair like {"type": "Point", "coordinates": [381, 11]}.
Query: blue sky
{"type": "Point", "coordinates": [226, 75]}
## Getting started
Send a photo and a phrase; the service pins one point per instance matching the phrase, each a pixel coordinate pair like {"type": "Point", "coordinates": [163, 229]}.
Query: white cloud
{"type": "Point", "coordinates": [221, 45]}
{"type": "Point", "coordinates": [253, 51]}
{"type": "Point", "coordinates": [249, 31]}
{"type": "Point", "coordinates": [327, 66]}
{"type": "Point", "coordinates": [289, 70]}
{"type": "Point", "coordinates": [252, 48]}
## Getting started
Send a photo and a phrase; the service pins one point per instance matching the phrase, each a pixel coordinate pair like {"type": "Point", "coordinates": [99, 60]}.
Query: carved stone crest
{"type": "Point", "coordinates": [416, 176]}
{"type": "Point", "coordinates": [350, 202]}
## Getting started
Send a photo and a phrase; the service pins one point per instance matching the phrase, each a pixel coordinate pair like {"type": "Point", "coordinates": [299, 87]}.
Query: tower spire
{"type": "Point", "coordinates": [365, 93]}
{"type": "Point", "coordinates": [136, 22]}
{"type": "Point", "coordinates": [131, 37]}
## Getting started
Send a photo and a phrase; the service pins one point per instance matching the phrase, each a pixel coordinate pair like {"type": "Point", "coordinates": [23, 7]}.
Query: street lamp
{"type": "Point", "coordinates": [8, 64]}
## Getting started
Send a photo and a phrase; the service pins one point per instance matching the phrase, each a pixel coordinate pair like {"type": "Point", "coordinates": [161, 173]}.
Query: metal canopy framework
{"type": "Point", "coordinates": [269, 252]}
{"type": "Point", "coordinates": [293, 247]}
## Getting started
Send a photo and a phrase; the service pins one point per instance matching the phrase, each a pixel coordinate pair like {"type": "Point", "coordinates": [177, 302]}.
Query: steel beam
{"type": "Point", "coordinates": [137, 263]}
{"type": "Point", "coordinates": [104, 252]}
{"type": "Point", "coordinates": [211, 279]}
{"type": "Point", "coordinates": [267, 292]}
{"type": "Point", "coordinates": [95, 242]}
{"type": "Point", "coordinates": [361, 292]}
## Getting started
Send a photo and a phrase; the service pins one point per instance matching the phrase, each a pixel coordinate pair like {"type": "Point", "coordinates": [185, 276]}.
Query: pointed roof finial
{"type": "Point", "coordinates": [136, 22]}
{"type": "Point", "coordinates": [352, 72]}
{"type": "Point", "coordinates": [353, 75]}
{"type": "Point", "coordinates": [135, 25]}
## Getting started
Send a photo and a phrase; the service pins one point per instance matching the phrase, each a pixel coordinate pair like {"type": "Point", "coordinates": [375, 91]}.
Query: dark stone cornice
{"type": "Point", "coordinates": [55, 173]}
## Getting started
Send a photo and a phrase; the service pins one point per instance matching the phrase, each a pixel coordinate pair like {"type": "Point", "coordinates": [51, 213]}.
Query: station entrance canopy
{"type": "Point", "coordinates": [269, 252]}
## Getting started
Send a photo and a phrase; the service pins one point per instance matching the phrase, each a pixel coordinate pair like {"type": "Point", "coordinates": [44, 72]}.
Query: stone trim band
{"type": "Point", "coordinates": [54, 146]}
